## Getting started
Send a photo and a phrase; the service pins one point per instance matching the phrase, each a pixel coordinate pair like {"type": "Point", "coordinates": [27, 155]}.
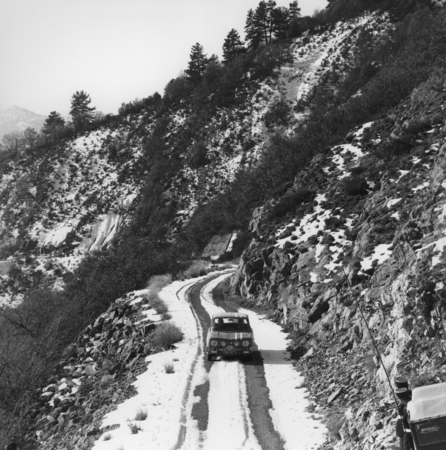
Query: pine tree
{"type": "Point", "coordinates": [81, 112]}
{"type": "Point", "coordinates": [232, 46]}
{"type": "Point", "coordinates": [213, 59]}
{"type": "Point", "coordinates": [280, 22]}
{"type": "Point", "coordinates": [253, 35]}
{"type": "Point", "coordinates": [197, 64]}
{"type": "Point", "coordinates": [294, 22]}
{"type": "Point", "coordinates": [270, 8]}
{"type": "Point", "coordinates": [260, 22]}
{"type": "Point", "coordinates": [294, 10]}
{"type": "Point", "coordinates": [53, 126]}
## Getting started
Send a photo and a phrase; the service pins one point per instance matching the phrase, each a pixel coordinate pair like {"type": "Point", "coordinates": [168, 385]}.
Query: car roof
{"type": "Point", "coordinates": [428, 402]}
{"type": "Point", "coordinates": [230, 314]}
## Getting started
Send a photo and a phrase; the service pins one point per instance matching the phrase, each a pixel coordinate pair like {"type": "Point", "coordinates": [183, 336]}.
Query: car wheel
{"type": "Point", "coordinates": [210, 357]}
{"type": "Point", "coordinates": [247, 358]}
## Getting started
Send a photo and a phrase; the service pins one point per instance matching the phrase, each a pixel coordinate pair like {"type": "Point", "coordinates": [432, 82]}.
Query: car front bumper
{"type": "Point", "coordinates": [229, 352]}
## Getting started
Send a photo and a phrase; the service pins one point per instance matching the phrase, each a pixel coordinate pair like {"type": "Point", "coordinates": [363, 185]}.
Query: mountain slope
{"type": "Point", "coordinates": [331, 153]}
{"type": "Point", "coordinates": [15, 119]}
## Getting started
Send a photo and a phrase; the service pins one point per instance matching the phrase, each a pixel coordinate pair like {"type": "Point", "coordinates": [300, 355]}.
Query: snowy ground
{"type": "Point", "coordinates": [164, 397]}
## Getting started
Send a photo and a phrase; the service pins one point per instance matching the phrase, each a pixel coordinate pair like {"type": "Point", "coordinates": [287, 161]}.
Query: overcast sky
{"type": "Point", "coordinates": [115, 50]}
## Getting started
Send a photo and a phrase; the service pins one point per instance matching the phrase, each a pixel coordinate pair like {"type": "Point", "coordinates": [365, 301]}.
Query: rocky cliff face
{"type": "Point", "coordinates": [96, 373]}
{"type": "Point", "coordinates": [359, 251]}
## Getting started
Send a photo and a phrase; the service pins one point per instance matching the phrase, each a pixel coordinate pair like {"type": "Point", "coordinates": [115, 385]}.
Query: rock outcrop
{"type": "Point", "coordinates": [96, 374]}
{"type": "Point", "coordinates": [365, 256]}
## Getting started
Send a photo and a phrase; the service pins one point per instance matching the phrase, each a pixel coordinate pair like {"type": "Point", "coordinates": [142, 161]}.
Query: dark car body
{"type": "Point", "coordinates": [230, 334]}
{"type": "Point", "coordinates": [423, 423]}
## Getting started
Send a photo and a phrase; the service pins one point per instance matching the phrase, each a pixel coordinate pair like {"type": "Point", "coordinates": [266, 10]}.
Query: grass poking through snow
{"type": "Point", "coordinates": [141, 414]}
{"type": "Point", "coordinates": [169, 367]}
{"type": "Point", "coordinates": [134, 428]}
{"type": "Point", "coordinates": [167, 334]}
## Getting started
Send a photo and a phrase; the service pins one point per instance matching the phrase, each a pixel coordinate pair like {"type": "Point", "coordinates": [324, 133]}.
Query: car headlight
{"type": "Point", "coordinates": [245, 343]}
{"type": "Point", "coordinates": [214, 343]}
{"type": "Point", "coordinates": [223, 343]}
{"type": "Point", "coordinates": [236, 343]}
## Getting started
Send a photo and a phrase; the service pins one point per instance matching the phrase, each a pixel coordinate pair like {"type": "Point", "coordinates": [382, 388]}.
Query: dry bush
{"type": "Point", "coordinates": [141, 414]}
{"type": "Point", "coordinates": [169, 367]}
{"type": "Point", "coordinates": [134, 428]}
{"type": "Point", "coordinates": [197, 269]}
{"type": "Point", "coordinates": [155, 302]}
{"type": "Point", "coordinates": [166, 334]}
{"type": "Point", "coordinates": [157, 282]}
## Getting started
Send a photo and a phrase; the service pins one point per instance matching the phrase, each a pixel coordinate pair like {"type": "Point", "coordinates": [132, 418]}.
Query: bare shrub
{"type": "Point", "coordinates": [155, 302]}
{"type": "Point", "coordinates": [141, 414]}
{"type": "Point", "coordinates": [166, 334]}
{"type": "Point", "coordinates": [169, 367]}
{"type": "Point", "coordinates": [157, 282]}
{"type": "Point", "coordinates": [134, 428]}
{"type": "Point", "coordinates": [197, 269]}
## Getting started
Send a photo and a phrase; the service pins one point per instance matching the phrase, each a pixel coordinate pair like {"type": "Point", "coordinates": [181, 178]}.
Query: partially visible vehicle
{"type": "Point", "coordinates": [422, 425]}
{"type": "Point", "coordinates": [230, 334]}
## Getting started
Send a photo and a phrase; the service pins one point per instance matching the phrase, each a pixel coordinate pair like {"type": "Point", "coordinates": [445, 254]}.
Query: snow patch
{"type": "Point", "coordinates": [381, 253]}
{"type": "Point", "coordinates": [393, 202]}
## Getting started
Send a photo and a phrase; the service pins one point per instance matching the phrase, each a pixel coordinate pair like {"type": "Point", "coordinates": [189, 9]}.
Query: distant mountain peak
{"type": "Point", "coordinates": [16, 118]}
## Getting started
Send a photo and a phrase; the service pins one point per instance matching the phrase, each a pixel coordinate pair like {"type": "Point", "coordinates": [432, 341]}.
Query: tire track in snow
{"type": "Point", "coordinates": [277, 408]}
{"type": "Point", "coordinates": [257, 394]}
{"type": "Point", "coordinates": [216, 412]}
{"type": "Point", "coordinates": [192, 427]}
{"type": "Point", "coordinates": [229, 423]}
{"type": "Point", "coordinates": [188, 398]}
{"type": "Point", "coordinates": [253, 393]}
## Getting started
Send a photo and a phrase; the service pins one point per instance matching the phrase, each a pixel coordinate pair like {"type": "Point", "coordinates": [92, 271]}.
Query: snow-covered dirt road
{"type": "Point", "coordinates": [229, 404]}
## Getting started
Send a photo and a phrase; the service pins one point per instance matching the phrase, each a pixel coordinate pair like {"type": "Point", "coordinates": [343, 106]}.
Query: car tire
{"type": "Point", "coordinates": [210, 357]}
{"type": "Point", "coordinates": [247, 358]}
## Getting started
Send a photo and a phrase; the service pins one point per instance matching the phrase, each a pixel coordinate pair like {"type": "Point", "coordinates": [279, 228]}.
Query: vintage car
{"type": "Point", "coordinates": [230, 334]}
{"type": "Point", "coordinates": [423, 416]}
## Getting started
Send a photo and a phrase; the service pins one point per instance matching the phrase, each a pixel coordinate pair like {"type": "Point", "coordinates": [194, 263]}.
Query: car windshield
{"type": "Point", "coordinates": [231, 324]}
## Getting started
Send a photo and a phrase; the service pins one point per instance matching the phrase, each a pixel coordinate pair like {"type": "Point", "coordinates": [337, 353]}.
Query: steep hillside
{"type": "Point", "coordinates": [357, 246]}
{"type": "Point", "coordinates": [68, 201]}
{"type": "Point", "coordinates": [323, 154]}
